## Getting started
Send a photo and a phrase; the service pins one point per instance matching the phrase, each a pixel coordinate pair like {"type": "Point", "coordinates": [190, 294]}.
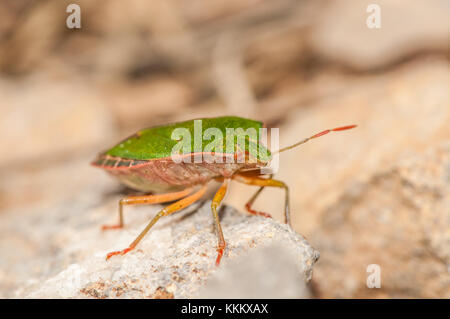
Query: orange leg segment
{"type": "Point", "coordinates": [146, 199]}
{"type": "Point", "coordinates": [172, 208]}
{"type": "Point", "coordinates": [214, 205]}
{"type": "Point", "coordinates": [258, 181]}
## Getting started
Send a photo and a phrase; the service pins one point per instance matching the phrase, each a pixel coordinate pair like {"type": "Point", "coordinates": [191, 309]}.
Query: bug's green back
{"type": "Point", "coordinates": [156, 142]}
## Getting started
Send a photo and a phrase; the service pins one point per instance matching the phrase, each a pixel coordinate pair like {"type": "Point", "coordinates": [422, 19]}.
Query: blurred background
{"type": "Point", "coordinates": [378, 194]}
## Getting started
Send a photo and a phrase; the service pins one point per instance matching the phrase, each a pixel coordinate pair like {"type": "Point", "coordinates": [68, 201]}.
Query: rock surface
{"type": "Point", "coordinates": [265, 272]}
{"type": "Point", "coordinates": [400, 220]}
{"type": "Point", "coordinates": [173, 261]}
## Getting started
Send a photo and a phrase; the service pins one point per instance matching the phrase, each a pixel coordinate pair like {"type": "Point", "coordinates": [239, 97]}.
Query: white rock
{"type": "Point", "coordinates": [174, 260]}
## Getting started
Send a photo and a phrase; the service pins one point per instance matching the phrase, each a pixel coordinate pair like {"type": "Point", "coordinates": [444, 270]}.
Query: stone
{"type": "Point", "coordinates": [269, 272]}
{"type": "Point", "coordinates": [62, 251]}
{"type": "Point", "coordinates": [399, 220]}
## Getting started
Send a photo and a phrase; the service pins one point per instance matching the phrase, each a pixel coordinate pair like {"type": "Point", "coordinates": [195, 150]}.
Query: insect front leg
{"type": "Point", "coordinates": [258, 181]}
{"type": "Point", "coordinates": [214, 205]}
{"type": "Point", "coordinates": [146, 199]}
{"type": "Point", "coordinates": [172, 208]}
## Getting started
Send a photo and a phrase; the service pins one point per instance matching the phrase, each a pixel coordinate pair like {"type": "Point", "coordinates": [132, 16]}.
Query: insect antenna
{"type": "Point", "coordinates": [342, 128]}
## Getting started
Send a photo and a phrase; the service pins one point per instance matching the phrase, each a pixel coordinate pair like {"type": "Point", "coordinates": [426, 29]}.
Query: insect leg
{"type": "Point", "coordinates": [146, 199]}
{"type": "Point", "coordinates": [258, 181]}
{"type": "Point", "coordinates": [214, 205]}
{"type": "Point", "coordinates": [182, 203]}
{"type": "Point", "coordinates": [250, 202]}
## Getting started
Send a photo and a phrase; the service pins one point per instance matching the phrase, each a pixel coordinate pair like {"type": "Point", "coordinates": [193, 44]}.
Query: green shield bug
{"type": "Point", "coordinates": [175, 162]}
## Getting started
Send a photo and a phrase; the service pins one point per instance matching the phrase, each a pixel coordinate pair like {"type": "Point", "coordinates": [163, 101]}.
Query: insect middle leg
{"type": "Point", "coordinates": [214, 205]}
{"type": "Point", "coordinates": [146, 199]}
{"type": "Point", "coordinates": [258, 181]}
{"type": "Point", "coordinates": [172, 208]}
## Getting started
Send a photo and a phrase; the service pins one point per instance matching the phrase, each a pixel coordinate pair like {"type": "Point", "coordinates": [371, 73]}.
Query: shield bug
{"type": "Point", "coordinates": [173, 163]}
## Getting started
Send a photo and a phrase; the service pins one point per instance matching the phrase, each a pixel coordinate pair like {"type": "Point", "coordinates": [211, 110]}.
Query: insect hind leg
{"type": "Point", "coordinates": [146, 199]}
{"type": "Point", "coordinates": [172, 208]}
